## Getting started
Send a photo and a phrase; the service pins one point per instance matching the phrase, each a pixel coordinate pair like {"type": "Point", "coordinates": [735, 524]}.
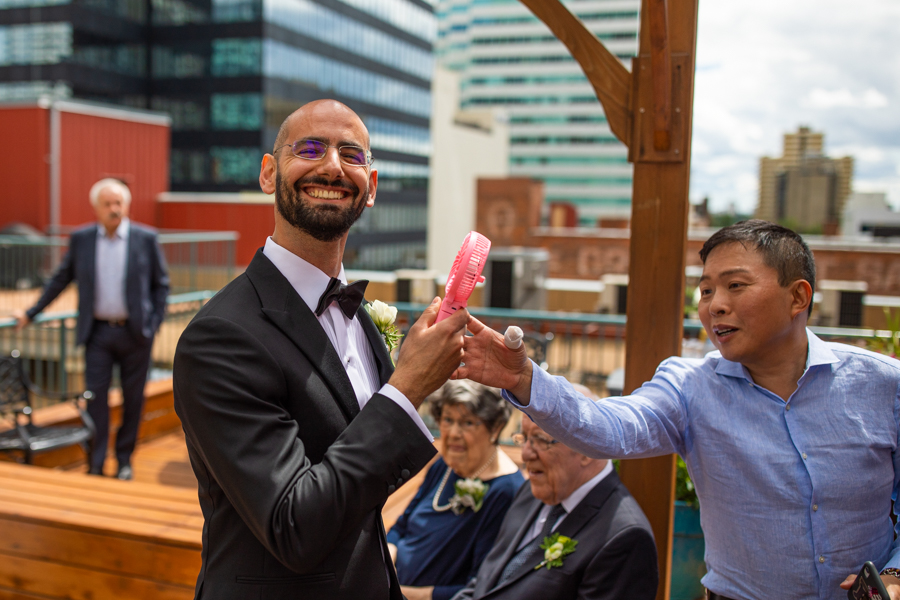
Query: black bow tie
{"type": "Point", "coordinates": [349, 297]}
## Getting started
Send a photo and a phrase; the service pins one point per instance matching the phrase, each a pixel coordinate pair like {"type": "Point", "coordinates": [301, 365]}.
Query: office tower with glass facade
{"type": "Point", "coordinates": [558, 132]}
{"type": "Point", "coordinates": [229, 71]}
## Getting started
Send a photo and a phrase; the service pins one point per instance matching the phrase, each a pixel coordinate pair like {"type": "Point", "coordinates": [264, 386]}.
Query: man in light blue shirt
{"type": "Point", "coordinates": [792, 442]}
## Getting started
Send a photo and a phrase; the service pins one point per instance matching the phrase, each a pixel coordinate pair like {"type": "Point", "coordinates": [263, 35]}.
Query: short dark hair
{"type": "Point", "coordinates": [486, 403]}
{"type": "Point", "coordinates": [781, 248]}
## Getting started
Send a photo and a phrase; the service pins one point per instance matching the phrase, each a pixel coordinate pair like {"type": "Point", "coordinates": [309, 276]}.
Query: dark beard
{"type": "Point", "coordinates": [325, 223]}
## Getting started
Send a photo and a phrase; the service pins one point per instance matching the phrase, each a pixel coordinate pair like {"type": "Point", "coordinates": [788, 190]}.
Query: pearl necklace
{"type": "Point", "coordinates": [440, 490]}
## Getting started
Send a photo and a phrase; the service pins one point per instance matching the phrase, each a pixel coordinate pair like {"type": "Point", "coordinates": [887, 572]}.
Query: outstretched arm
{"type": "Point", "coordinates": [487, 360]}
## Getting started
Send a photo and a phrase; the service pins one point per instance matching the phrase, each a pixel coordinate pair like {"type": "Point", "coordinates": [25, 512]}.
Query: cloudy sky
{"type": "Point", "coordinates": [764, 67]}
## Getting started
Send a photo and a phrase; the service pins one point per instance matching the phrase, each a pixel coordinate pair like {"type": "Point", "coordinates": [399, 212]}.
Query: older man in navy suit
{"type": "Point", "coordinates": [122, 289]}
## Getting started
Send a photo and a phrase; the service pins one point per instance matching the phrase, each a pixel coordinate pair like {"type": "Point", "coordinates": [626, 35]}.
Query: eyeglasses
{"type": "Point", "coordinates": [538, 442]}
{"type": "Point", "coordinates": [354, 156]}
{"type": "Point", "coordinates": [466, 424]}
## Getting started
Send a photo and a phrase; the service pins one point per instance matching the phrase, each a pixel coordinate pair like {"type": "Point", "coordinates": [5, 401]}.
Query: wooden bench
{"type": "Point", "coordinates": [70, 535]}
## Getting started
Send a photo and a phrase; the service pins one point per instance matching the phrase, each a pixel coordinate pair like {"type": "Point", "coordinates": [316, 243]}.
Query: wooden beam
{"type": "Point", "coordinates": [649, 110]}
{"type": "Point", "coordinates": [659, 211]}
{"type": "Point", "coordinates": [610, 79]}
{"type": "Point", "coordinates": [661, 69]}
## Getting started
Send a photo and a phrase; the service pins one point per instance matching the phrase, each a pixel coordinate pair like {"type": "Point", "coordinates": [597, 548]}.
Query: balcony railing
{"type": "Point", "coordinates": [55, 363]}
{"type": "Point", "coordinates": [201, 260]}
{"type": "Point", "coordinates": [584, 348]}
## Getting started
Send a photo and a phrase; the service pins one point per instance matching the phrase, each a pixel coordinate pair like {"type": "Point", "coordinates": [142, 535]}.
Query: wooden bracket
{"type": "Point", "coordinates": [646, 137]}
{"type": "Point", "coordinates": [609, 77]}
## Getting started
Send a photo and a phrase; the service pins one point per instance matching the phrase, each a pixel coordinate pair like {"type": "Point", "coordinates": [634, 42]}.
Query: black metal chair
{"type": "Point", "coordinates": [23, 435]}
{"type": "Point", "coordinates": [537, 345]}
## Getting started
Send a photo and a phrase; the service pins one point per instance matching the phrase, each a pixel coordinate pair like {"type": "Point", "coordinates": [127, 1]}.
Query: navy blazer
{"type": "Point", "coordinates": [615, 557]}
{"type": "Point", "coordinates": [146, 281]}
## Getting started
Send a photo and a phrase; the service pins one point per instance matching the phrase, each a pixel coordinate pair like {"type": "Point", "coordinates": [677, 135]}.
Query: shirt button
{"type": "Point", "coordinates": [821, 559]}
{"type": "Point", "coordinates": [787, 407]}
{"type": "Point", "coordinates": [803, 455]}
{"type": "Point", "coordinates": [815, 507]}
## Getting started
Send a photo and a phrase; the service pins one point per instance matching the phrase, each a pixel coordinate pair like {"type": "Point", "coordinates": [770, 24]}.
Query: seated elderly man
{"type": "Point", "coordinates": [573, 531]}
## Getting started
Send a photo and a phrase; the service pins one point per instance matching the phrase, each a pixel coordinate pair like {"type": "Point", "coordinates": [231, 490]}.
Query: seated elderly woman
{"type": "Point", "coordinates": [450, 525]}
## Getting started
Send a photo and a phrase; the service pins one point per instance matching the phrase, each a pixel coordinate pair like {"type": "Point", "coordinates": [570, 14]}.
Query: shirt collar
{"type": "Point", "coordinates": [121, 231]}
{"type": "Point", "coordinates": [818, 353]}
{"type": "Point", "coordinates": [578, 495]}
{"type": "Point", "coordinates": [306, 279]}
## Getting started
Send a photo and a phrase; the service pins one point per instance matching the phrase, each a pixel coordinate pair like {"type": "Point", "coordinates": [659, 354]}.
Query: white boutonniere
{"type": "Point", "coordinates": [469, 494]}
{"type": "Point", "coordinates": [384, 315]}
{"type": "Point", "coordinates": [556, 547]}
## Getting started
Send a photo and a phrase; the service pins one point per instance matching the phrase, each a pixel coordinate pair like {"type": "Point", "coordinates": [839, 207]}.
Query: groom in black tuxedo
{"type": "Point", "coordinates": [297, 425]}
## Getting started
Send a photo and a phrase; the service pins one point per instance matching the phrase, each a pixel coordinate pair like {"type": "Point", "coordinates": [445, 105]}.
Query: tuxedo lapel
{"type": "Point", "coordinates": [530, 511]}
{"type": "Point", "coordinates": [588, 507]}
{"type": "Point", "coordinates": [379, 348]}
{"type": "Point", "coordinates": [573, 523]}
{"type": "Point", "coordinates": [292, 316]}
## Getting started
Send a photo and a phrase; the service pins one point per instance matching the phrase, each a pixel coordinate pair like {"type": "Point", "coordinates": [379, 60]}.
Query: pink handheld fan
{"type": "Point", "coordinates": [466, 272]}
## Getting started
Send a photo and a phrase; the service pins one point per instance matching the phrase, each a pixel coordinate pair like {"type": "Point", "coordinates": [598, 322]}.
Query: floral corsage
{"type": "Point", "coordinates": [384, 316]}
{"type": "Point", "coordinates": [469, 494]}
{"type": "Point", "coordinates": [556, 547]}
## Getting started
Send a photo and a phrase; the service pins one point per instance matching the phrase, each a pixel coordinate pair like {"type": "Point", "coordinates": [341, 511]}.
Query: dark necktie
{"type": "Point", "coordinates": [530, 552]}
{"type": "Point", "coordinates": [348, 297]}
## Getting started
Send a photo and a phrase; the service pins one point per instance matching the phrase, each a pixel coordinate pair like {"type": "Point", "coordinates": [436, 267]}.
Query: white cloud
{"type": "Point", "coordinates": [819, 98]}
{"type": "Point", "coordinates": [765, 67]}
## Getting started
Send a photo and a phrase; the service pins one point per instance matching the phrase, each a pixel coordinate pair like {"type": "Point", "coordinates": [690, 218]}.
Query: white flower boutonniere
{"type": "Point", "coordinates": [469, 494]}
{"type": "Point", "coordinates": [384, 316]}
{"type": "Point", "coordinates": [556, 547]}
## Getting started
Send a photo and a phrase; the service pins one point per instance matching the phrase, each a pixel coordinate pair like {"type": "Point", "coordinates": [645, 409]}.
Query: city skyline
{"type": "Point", "coordinates": [825, 64]}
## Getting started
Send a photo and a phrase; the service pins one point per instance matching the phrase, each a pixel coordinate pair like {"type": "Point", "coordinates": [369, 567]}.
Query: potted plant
{"type": "Point", "coordinates": [688, 547]}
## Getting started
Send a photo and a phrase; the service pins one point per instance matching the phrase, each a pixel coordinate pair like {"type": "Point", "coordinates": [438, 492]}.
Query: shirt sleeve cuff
{"type": "Point", "coordinates": [404, 403]}
{"type": "Point", "coordinates": [541, 381]}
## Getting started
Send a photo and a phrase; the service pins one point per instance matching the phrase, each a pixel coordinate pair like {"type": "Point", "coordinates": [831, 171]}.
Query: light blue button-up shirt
{"type": "Point", "coordinates": [110, 268]}
{"type": "Point", "coordinates": [794, 496]}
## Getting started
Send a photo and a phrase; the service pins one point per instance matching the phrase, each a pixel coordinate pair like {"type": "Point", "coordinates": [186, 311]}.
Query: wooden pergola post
{"type": "Point", "coordinates": [649, 109]}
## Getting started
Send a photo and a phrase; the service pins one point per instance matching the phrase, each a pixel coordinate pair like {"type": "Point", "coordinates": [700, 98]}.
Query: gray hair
{"type": "Point", "coordinates": [486, 403]}
{"type": "Point", "coordinates": [109, 182]}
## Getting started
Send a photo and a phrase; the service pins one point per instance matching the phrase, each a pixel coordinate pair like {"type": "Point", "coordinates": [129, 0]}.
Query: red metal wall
{"type": "Point", "coordinates": [24, 166]}
{"type": "Point", "coordinates": [253, 221]}
{"type": "Point", "coordinates": [94, 147]}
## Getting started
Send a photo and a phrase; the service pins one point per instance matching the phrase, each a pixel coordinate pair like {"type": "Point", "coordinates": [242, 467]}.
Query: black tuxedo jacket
{"type": "Point", "coordinates": [292, 475]}
{"type": "Point", "coordinates": [615, 557]}
{"type": "Point", "coordinates": [146, 281]}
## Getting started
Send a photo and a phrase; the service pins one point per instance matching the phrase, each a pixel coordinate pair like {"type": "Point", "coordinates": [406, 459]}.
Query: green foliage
{"type": "Point", "coordinates": [684, 487]}
{"type": "Point", "coordinates": [726, 219]}
{"type": "Point", "coordinates": [890, 344]}
{"type": "Point", "coordinates": [794, 225]}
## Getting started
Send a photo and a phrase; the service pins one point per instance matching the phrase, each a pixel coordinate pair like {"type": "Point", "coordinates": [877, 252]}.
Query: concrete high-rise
{"type": "Point", "coordinates": [804, 189]}
{"type": "Point", "coordinates": [508, 58]}
{"type": "Point", "coordinates": [229, 71]}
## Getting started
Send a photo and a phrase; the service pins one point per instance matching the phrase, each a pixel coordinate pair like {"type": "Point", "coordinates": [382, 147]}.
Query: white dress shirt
{"type": "Point", "coordinates": [346, 335]}
{"type": "Point", "coordinates": [110, 268]}
{"type": "Point", "coordinates": [569, 504]}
